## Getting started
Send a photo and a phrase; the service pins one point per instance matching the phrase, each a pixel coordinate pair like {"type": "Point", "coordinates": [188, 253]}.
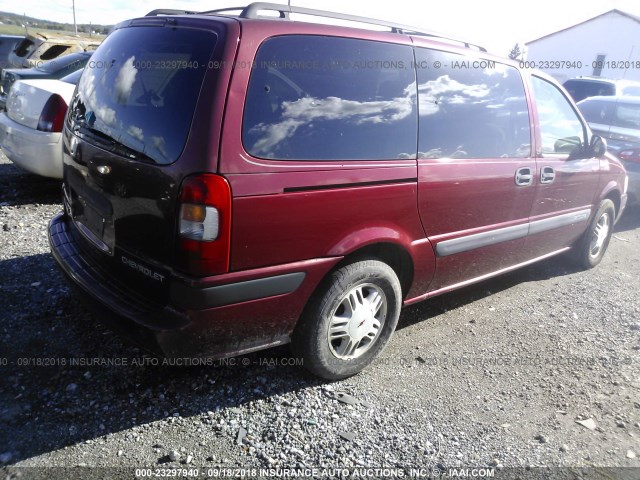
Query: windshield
{"type": "Point", "coordinates": [141, 88]}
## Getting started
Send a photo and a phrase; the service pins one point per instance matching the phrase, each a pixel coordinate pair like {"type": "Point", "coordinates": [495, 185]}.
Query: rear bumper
{"type": "Point", "coordinates": [214, 318]}
{"type": "Point", "coordinates": [35, 151]}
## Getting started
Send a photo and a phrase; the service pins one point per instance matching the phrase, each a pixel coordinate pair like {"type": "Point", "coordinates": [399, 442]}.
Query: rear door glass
{"type": "Point", "coordinates": [470, 108]}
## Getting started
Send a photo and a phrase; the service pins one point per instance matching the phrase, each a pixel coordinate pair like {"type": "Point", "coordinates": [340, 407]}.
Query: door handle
{"type": "Point", "coordinates": [547, 175]}
{"type": "Point", "coordinates": [524, 176]}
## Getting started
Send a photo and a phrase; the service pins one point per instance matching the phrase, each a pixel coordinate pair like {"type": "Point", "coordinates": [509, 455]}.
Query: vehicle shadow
{"type": "Point", "coordinates": [66, 379]}
{"type": "Point", "coordinates": [555, 267]}
{"type": "Point", "coordinates": [630, 219]}
{"type": "Point", "coordinates": [18, 187]}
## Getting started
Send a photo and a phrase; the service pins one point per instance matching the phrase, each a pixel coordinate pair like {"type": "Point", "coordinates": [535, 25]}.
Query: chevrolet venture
{"type": "Point", "coordinates": [234, 181]}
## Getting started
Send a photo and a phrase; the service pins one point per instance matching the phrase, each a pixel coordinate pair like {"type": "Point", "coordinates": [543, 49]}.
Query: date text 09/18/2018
{"type": "Point", "coordinates": [577, 64]}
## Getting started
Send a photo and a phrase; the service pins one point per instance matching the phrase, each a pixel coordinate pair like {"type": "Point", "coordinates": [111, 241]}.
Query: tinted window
{"type": "Point", "coordinates": [581, 89]}
{"type": "Point", "coordinates": [326, 98]}
{"type": "Point", "coordinates": [627, 115]}
{"type": "Point", "coordinates": [24, 48]}
{"type": "Point", "coordinates": [470, 110]}
{"type": "Point", "coordinates": [7, 44]}
{"type": "Point", "coordinates": [54, 51]}
{"type": "Point", "coordinates": [560, 127]}
{"type": "Point", "coordinates": [141, 89]}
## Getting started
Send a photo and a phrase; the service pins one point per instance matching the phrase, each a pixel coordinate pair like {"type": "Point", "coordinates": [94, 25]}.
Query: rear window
{"type": "Point", "coordinates": [24, 48]}
{"type": "Point", "coordinates": [54, 51]}
{"type": "Point", "coordinates": [141, 86]}
{"type": "Point", "coordinates": [581, 89]}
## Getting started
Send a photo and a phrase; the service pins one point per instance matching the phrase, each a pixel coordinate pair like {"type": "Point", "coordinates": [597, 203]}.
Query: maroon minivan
{"type": "Point", "coordinates": [236, 182]}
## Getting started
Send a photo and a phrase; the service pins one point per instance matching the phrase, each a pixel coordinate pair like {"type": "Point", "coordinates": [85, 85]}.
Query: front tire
{"type": "Point", "coordinates": [349, 320]}
{"type": "Point", "coordinates": [590, 249]}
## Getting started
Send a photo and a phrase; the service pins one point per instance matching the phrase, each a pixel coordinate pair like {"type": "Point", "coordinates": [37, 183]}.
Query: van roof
{"type": "Point", "coordinates": [255, 11]}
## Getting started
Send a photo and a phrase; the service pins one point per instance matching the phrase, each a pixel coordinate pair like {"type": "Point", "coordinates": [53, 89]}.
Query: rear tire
{"type": "Point", "coordinates": [591, 247]}
{"type": "Point", "coordinates": [349, 320]}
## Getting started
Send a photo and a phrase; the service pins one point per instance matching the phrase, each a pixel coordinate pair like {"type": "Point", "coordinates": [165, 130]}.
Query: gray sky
{"type": "Point", "coordinates": [495, 24]}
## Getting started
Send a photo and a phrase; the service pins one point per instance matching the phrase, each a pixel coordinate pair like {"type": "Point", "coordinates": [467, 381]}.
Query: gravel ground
{"type": "Point", "coordinates": [497, 376]}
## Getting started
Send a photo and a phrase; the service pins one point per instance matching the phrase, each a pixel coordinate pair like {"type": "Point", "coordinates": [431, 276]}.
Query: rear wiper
{"type": "Point", "coordinates": [112, 144]}
{"type": "Point", "coordinates": [95, 134]}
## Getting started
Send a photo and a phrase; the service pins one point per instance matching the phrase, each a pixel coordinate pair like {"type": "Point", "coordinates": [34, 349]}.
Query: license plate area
{"type": "Point", "coordinates": [94, 223]}
{"type": "Point", "coordinates": [93, 220]}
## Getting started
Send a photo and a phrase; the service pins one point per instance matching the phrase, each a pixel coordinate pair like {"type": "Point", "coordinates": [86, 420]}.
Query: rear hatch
{"type": "Point", "coordinates": [125, 140]}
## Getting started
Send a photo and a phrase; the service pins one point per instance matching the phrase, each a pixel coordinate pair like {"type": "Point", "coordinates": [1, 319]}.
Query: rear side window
{"type": "Point", "coordinates": [140, 90]}
{"type": "Point", "coordinates": [329, 98]}
{"type": "Point", "coordinates": [470, 108]}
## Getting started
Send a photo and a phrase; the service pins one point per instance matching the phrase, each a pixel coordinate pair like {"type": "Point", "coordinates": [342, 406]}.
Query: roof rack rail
{"type": "Point", "coordinates": [284, 13]}
{"type": "Point", "coordinates": [168, 11]}
{"type": "Point", "coordinates": [253, 11]}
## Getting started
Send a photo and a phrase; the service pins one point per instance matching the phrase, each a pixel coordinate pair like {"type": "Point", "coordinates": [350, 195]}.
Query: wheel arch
{"type": "Point", "coordinates": [393, 254]}
{"type": "Point", "coordinates": [612, 192]}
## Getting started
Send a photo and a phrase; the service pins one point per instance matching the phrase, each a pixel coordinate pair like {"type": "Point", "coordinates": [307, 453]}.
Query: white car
{"type": "Point", "coordinates": [30, 128]}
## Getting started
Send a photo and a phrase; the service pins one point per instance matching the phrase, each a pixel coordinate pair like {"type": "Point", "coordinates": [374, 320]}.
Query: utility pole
{"type": "Point", "coordinates": [75, 27]}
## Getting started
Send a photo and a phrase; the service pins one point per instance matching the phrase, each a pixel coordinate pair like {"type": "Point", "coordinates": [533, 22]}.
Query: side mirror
{"type": "Point", "coordinates": [598, 146]}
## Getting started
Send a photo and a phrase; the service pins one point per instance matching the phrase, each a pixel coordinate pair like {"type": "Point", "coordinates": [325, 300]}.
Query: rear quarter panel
{"type": "Point", "coordinates": [287, 211]}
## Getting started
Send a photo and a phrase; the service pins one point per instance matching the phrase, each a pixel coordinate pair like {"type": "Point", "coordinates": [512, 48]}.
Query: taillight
{"type": "Point", "coordinates": [204, 225]}
{"type": "Point", "coordinates": [52, 116]}
{"type": "Point", "coordinates": [632, 156]}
